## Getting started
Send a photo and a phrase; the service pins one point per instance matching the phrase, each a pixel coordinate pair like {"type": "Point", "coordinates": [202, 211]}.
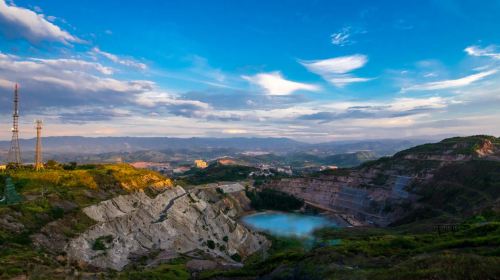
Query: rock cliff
{"type": "Point", "coordinates": [201, 223]}
{"type": "Point", "coordinates": [383, 191]}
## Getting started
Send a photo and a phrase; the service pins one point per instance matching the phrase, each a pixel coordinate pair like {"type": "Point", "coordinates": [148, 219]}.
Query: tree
{"type": "Point", "coordinates": [10, 194]}
{"type": "Point", "coordinates": [52, 164]}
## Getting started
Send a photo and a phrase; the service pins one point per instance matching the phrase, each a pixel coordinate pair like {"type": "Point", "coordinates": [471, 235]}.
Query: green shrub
{"type": "Point", "coordinates": [236, 257]}
{"type": "Point", "coordinates": [57, 212]}
{"type": "Point", "coordinates": [102, 242]}
{"type": "Point", "coordinates": [274, 200]}
{"type": "Point", "coordinates": [211, 244]}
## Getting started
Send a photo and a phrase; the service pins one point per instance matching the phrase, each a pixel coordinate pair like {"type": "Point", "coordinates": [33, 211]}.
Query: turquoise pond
{"type": "Point", "coordinates": [287, 224]}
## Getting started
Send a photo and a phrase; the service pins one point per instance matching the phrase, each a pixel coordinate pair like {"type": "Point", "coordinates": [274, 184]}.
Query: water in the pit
{"type": "Point", "coordinates": [287, 224]}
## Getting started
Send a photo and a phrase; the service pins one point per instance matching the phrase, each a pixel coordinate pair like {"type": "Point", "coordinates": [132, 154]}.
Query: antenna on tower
{"type": "Point", "coordinates": [15, 150]}
{"type": "Point", "coordinates": [38, 147]}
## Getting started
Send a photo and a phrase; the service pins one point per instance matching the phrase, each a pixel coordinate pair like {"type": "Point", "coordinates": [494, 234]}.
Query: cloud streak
{"type": "Point", "coordinates": [116, 59]}
{"type": "Point", "coordinates": [489, 51]}
{"type": "Point", "coordinates": [456, 83]}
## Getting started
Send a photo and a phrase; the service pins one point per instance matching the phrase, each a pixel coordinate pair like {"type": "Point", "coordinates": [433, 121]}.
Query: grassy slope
{"type": "Point", "coordinates": [58, 196]}
{"type": "Point", "coordinates": [470, 253]}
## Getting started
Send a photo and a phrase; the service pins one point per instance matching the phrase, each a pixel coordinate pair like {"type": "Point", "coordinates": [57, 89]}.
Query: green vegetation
{"type": "Point", "coordinates": [236, 257]}
{"type": "Point", "coordinates": [349, 159]}
{"type": "Point", "coordinates": [173, 270]}
{"type": "Point", "coordinates": [273, 200]}
{"type": "Point", "coordinates": [470, 253]}
{"type": "Point", "coordinates": [52, 200]}
{"type": "Point", "coordinates": [210, 244]}
{"type": "Point", "coordinates": [102, 242]}
{"type": "Point", "coordinates": [457, 192]}
{"type": "Point", "coordinates": [451, 146]}
{"type": "Point", "coordinates": [10, 195]}
{"type": "Point", "coordinates": [215, 173]}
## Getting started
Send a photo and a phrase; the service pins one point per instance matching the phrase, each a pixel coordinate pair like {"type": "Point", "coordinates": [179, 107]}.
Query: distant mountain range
{"type": "Point", "coordinates": [66, 148]}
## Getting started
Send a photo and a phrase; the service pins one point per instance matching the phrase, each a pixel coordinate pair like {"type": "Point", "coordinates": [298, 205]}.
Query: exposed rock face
{"type": "Point", "coordinates": [343, 195]}
{"type": "Point", "coordinates": [488, 150]}
{"type": "Point", "coordinates": [175, 220]}
{"type": "Point", "coordinates": [379, 193]}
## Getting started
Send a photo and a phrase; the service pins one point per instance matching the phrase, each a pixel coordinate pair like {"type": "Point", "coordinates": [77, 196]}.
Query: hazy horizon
{"type": "Point", "coordinates": [421, 138]}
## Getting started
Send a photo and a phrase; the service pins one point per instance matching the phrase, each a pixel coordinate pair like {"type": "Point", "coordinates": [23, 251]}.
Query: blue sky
{"type": "Point", "coordinates": [308, 70]}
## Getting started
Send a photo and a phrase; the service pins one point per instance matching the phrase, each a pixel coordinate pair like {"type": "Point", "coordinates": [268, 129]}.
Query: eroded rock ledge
{"type": "Point", "coordinates": [175, 221]}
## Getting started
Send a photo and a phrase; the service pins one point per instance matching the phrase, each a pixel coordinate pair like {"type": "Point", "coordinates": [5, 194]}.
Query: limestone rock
{"type": "Point", "coordinates": [174, 221]}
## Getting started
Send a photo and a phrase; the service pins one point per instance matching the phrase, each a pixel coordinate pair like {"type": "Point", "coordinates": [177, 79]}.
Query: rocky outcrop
{"type": "Point", "coordinates": [353, 198]}
{"type": "Point", "coordinates": [382, 191]}
{"type": "Point", "coordinates": [135, 225]}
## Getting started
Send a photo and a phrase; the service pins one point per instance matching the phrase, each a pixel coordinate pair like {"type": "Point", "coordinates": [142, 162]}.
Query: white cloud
{"type": "Point", "coordinates": [119, 60]}
{"type": "Point", "coordinates": [25, 23]}
{"type": "Point", "coordinates": [336, 65]}
{"type": "Point", "coordinates": [342, 37]}
{"type": "Point", "coordinates": [407, 104]}
{"type": "Point", "coordinates": [336, 70]}
{"type": "Point", "coordinates": [73, 74]}
{"type": "Point", "coordinates": [234, 131]}
{"type": "Point", "coordinates": [154, 98]}
{"type": "Point", "coordinates": [344, 80]}
{"type": "Point", "coordinates": [274, 83]}
{"type": "Point", "coordinates": [75, 64]}
{"type": "Point", "coordinates": [465, 81]}
{"type": "Point", "coordinates": [489, 51]}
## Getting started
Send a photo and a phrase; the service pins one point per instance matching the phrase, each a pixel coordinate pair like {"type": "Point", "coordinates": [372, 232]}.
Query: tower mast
{"type": "Point", "coordinates": [38, 147]}
{"type": "Point", "coordinates": [15, 150]}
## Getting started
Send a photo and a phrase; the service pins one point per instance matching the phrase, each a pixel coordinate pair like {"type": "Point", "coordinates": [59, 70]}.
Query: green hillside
{"type": "Point", "coordinates": [50, 208]}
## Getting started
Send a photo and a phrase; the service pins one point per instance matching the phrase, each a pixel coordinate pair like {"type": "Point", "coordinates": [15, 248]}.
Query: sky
{"type": "Point", "coordinates": [308, 70]}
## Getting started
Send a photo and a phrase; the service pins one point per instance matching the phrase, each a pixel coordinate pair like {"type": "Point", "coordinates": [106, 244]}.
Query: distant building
{"type": "Point", "coordinates": [199, 163]}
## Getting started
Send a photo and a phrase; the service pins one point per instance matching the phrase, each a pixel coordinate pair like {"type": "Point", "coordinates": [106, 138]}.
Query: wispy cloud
{"type": "Point", "coordinates": [336, 70]}
{"type": "Point", "coordinates": [20, 22]}
{"type": "Point", "coordinates": [275, 84]}
{"type": "Point", "coordinates": [116, 59]}
{"type": "Point", "coordinates": [343, 80]}
{"type": "Point", "coordinates": [490, 51]}
{"type": "Point", "coordinates": [342, 37]}
{"type": "Point", "coordinates": [461, 82]}
{"type": "Point", "coordinates": [396, 108]}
